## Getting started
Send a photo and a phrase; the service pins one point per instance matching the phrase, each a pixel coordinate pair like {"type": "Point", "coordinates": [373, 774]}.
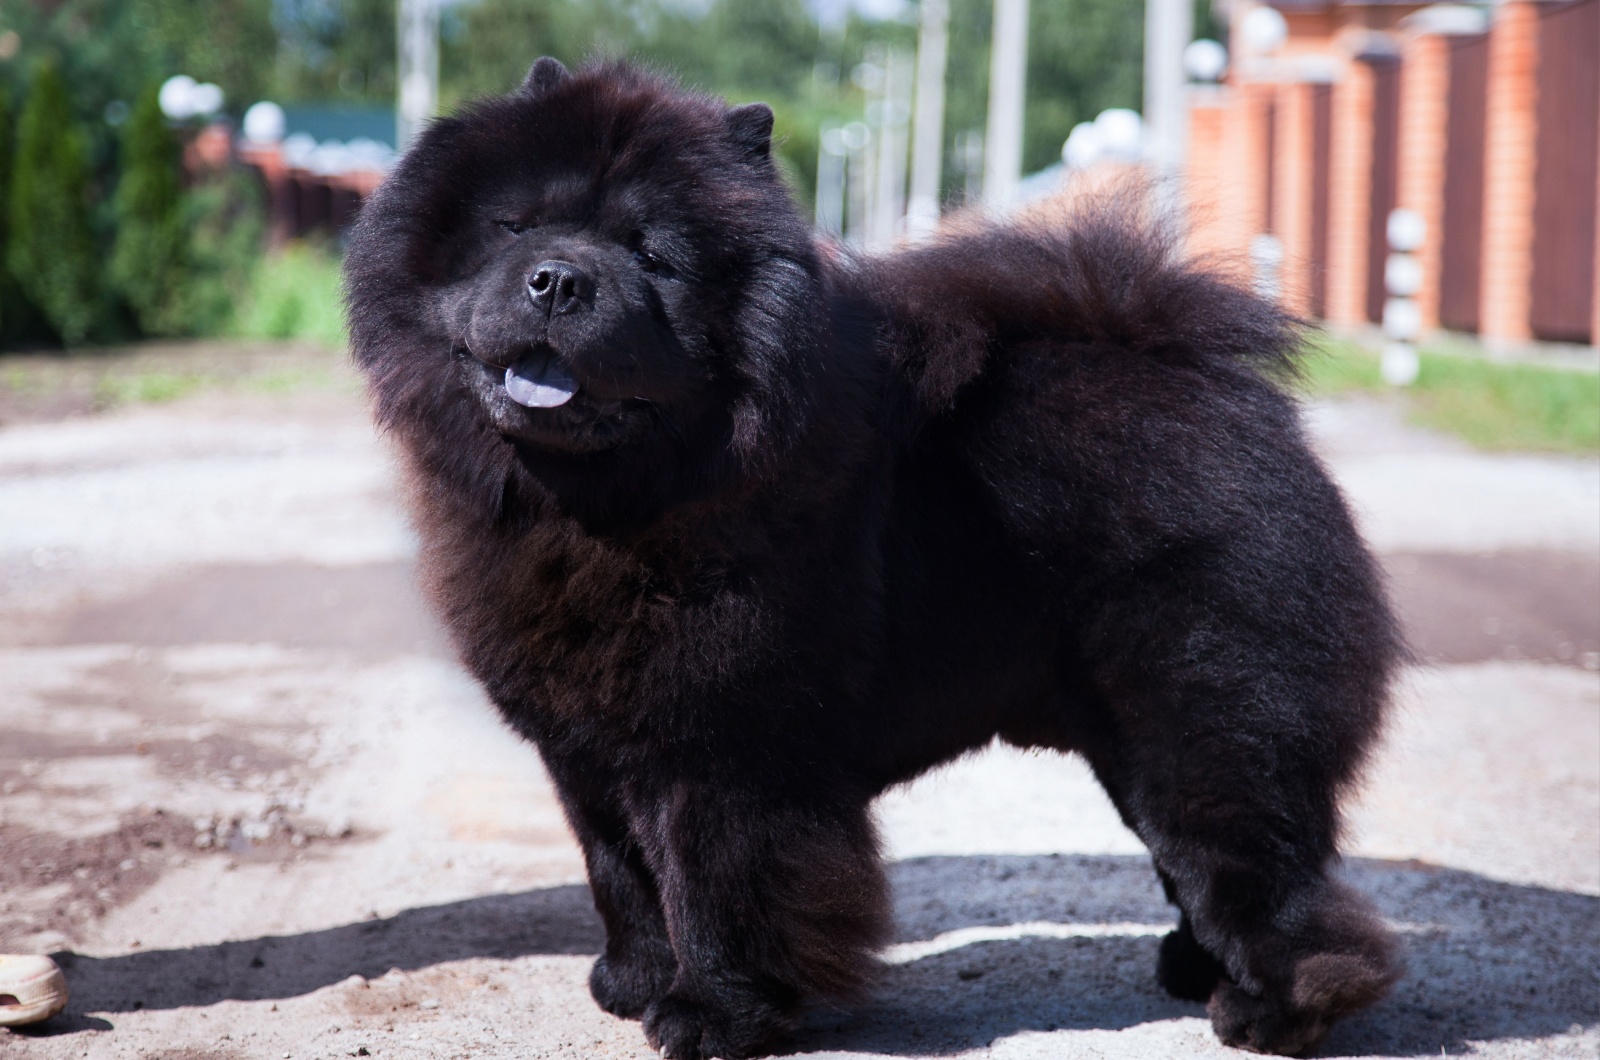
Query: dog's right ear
{"type": "Point", "coordinates": [546, 74]}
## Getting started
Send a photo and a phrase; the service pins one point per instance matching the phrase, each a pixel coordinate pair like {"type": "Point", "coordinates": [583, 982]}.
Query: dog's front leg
{"type": "Point", "coordinates": [769, 898]}
{"type": "Point", "coordinates": [638, 965]}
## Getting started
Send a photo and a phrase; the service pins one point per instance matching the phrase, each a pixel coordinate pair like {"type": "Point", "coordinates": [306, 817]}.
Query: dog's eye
{"type": "Point", "coordinates": [516, 228]}
{"type": "Point", "coordinates": [648, 261]}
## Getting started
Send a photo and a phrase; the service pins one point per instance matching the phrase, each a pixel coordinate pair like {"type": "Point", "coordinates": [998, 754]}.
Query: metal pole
{"type": "Point", "coordinates": [1008, 71]}
{"type": "Point", "coordinates": [893, 143]}
{"type": "Point", "coordinates": [1168, 27]}
{"type": "Point", "coordinates": [830, 180]}
{"type": "Point", "coordinates": [927, 134]}
{"type": "Point", "coordinates": [417, 79]}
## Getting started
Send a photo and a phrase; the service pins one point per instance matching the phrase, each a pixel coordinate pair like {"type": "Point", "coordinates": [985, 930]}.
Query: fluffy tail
{"type": "Point", "coordinates": [1096, 270]}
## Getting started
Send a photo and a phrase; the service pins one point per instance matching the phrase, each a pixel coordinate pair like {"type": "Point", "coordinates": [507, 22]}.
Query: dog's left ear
{"type": "Point", "coordinates": [750, 127]}
{"type": "Point", "coordinates": [547, 73]}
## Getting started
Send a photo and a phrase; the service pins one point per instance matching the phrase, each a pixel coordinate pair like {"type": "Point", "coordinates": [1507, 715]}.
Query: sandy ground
{"type": "Point", "coordinates": [256, 809]}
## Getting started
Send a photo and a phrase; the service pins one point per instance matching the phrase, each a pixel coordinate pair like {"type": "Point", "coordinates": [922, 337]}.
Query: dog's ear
{"type": "Point", "coordinates": [750, 127]}
{"type": "Point", "coordinates": [546, 74]}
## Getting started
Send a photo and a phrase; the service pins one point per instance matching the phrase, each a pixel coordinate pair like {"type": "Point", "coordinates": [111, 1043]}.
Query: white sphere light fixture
{"type": "Point", "coordinates": [1205, 60]}
{"type": "Point", "coordinates": [1264, 30]}
{"type": "Point", "coordinates": [205, 99]}
{"type": "Point", "coordinates": [265, 123]}
{"type": "Point", "coordinates": [1082, 146]}
{"type": "Point", "coordinates": [1406, 230]}
{"type": "Point", "coordinates": [1120, 133]}
{"type": "Point", "coordinates": [176, 97]}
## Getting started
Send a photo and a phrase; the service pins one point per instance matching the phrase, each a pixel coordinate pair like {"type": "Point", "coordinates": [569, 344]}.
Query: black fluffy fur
{"type": "Point", "coordinates": [814, 525]}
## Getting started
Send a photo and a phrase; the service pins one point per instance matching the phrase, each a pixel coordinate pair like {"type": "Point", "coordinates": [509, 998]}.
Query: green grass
{"type": "Point", "coordinates": [45, 386]}
{"type": "Point", "coordinates": [295, 295]}
{"type": "Point", "coordinates": [1491, 404]}
{"type": "Point", "coordinates": [150, 388]}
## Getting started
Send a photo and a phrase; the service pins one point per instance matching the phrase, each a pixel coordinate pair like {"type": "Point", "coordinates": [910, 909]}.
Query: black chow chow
{"type": "Point", "coordinates": [740, 535]}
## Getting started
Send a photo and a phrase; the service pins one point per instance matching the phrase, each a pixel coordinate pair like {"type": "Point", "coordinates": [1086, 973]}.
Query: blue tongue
{"type": "Point", "coordinates": [540, 382]}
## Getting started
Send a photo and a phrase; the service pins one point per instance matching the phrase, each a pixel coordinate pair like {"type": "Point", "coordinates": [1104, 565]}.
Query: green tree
{"type": "Point", "coordinates": [6, 292]}
{"type": "Point", "coordinates": [50, 248]}
{"type": "Point", "coordinates": [335, 50]}
{"type": "Point", "coordinates": [225, 218]}
{"type": "Point", "coordinates": [149, 260]}
{"type": "Point", "coordinates": [232, 43]}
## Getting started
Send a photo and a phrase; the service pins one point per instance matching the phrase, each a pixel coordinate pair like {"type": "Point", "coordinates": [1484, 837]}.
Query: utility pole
{"type": "Point", "coordinates": [1168, 27]}
{"type": "Point", "coordinates": [417, 75]}
{"type": "Point", "coordinates": [927, 128]}
{"type": "Point", "coordinates": [1008, 72]}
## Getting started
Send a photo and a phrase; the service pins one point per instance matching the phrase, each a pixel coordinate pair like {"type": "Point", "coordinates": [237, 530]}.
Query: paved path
{"type": "Point", "coordinates": [246, 789]}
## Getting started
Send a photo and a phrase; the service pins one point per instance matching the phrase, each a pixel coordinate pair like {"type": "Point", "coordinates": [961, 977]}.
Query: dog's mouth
{"type": "Point", "coordinates": [538, 399]}
{"type": "Point", "coordinates": [538, 380]}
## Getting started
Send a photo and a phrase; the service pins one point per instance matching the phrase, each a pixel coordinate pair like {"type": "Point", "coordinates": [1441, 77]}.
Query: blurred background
{"type": "Point", "coordinates": [127, 134]}
{"type": "Point", "coordinates": [253, 804]}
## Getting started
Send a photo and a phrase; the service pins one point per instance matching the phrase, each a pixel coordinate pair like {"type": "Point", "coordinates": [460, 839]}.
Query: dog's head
{"type": "Point", "coordinates": [597, 264]}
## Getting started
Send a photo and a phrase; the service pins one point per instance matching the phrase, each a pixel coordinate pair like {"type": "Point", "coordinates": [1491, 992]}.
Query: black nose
{"type": "Point", "coordinates": [559, 287]}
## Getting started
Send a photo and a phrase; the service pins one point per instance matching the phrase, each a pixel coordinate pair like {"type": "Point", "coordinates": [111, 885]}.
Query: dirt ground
{"type": "Point", "coordinates": [255, 809]}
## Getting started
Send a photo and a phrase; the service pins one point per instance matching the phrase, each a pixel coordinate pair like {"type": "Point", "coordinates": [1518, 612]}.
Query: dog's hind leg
{"type": "Point", "coordinates": [1237, 806]}
{"type": "Point", "coordinates": [1184, 968]}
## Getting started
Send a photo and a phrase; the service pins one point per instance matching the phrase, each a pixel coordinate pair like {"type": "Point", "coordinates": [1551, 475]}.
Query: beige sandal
{"type": "Point", "coordinates": [31, 989]}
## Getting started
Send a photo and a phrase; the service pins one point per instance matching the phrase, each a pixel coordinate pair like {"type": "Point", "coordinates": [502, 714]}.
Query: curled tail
{"type": "Point", "coordinates": [1098, 271]}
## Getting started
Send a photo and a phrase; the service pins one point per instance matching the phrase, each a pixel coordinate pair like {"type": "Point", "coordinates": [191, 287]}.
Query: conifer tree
{"type": "Point", "coordinates": [149, 260]}
{"type": "Point", "coordinates": [7, 294]}
{"type": "Point", "coordinates": [49, 245]}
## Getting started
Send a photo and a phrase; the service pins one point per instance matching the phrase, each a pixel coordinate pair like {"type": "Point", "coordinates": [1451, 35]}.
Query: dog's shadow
{"type": "Point", "coordinates": [988, 947]}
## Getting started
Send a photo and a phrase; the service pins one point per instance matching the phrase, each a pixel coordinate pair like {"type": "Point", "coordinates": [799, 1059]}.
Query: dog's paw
{"type": "Point", "coordinates": [683, 1029]}
{"type": "Point", "coordinates": [627, 987]}
{"type": "Point", "coordinates": [1184, 969]}
{"type": "Point", "coordinates": [1260, 1024]}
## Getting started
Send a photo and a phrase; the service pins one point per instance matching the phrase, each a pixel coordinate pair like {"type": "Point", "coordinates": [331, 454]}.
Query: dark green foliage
{"type": "Point", "coordinates": [334, 50]}
{"type": "Point", "coordinates": [7, 294]}
{"type": "Point", "coordinates": [229, 42]}
{"type": "Point", "coordinates": [50, 249]}
{"type": "Point", "coordinates": [1083, 56]}
{"type": "Point", "coordinates": [149, 260]}
{"type": "Point", "coordinates": [226, 220]}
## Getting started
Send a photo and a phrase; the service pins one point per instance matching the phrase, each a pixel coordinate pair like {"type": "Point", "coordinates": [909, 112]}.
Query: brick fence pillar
{"type": "Point", "coordinates": [1506, 291]}
{"type": "Point", "coordinates": [1244, 201]}
{"type": "Point", "coordinates": [1349, 195]}
{"type": "Point", "coordinates": [1292, 200]}
{"type": "Point", "coordinates": [1207, 172]}
{"type": "Point", "coordinates": [1424, 109]}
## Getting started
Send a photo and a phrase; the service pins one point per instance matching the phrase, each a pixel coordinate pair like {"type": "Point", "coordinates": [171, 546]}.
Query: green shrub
{"type": "Point", "coordinates": [149, 259]}
{"type": "Point", "coordinates": [226, 220]}
{"type": "Point", "coordinates": [49, 249]}
{"type": "Point", "coordinates": [7, 292]}
{"type": "Point", "coordinates": [295, 295]}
